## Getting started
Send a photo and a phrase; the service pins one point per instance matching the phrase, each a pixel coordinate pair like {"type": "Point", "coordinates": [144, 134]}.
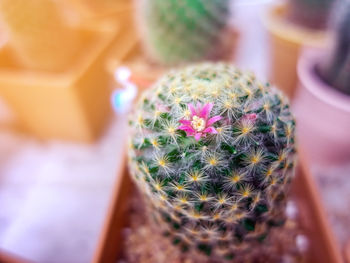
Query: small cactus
{"type": "Point", "coordinates": [212, 150]}
{"type": "Point", "coordinates": [336, 71]}
{"type": "Point", "coordinates": [38, 33]}
{"type": "Point", "coordinates": [178, 31]}
{"type": "Point", "coordinates": [312, 14]}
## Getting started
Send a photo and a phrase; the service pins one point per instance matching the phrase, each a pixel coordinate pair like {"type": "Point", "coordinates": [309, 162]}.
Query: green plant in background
{"type": "Point", "coordinates": [212, 150]}
{"type": "Point", "coordinates": [176, 31]}
{"type": "Point", "coordinates": [336, 71]}
{"type": "Point", "coordinates": [312, 14]}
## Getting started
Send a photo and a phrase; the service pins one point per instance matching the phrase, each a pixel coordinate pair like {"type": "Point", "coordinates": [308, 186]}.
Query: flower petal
{"type": "Point", "coordinates": [198, 136]}
{"type": "Point", "coordinates": [250, 116]}
{"type": "Point", "coordinates": [185, 122]}
{"type": "Point", "coordinates": [192, 109]}
{"type": "Point", "coordinates": [206, 110]}
{"type": "Point", "coordinates": [186, 128]}
{"type": "Point", "coordinates": [210, 130]}
{"type": "Point", "coordinates": [214, 119]}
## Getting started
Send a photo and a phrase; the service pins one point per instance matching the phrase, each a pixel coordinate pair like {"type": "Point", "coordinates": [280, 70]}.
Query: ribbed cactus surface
{"type": "Point", "coordinates": [212, 150]}
{"type": "Point", "coordinates": [38, 33]}
{"type": "Point", "coordinates": [177, 31]}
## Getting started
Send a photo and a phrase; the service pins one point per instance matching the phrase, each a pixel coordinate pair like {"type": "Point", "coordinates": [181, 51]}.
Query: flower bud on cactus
{"type": "Point", "coordinates": [212, 150]}
{"type": "Point", "coordinates": [176, 31]}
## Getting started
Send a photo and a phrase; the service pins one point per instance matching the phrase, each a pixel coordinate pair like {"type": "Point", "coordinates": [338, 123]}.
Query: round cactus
{"type": "Point", "coordinates": [212, 150]}
{"type": "Point", "coordinates": [177, 31]}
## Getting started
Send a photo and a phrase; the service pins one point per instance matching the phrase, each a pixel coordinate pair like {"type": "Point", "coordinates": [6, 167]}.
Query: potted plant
{"type": "Point", "coordinates": [294, 25]}
{"type": "Point", "coordinates": [212, 152]}
{"type": "Point", "coordinates": [99, 9]}
{"type": "Point", "coordinates": [37, 33]}
{"type": "Point", "coordinates": [52, 74]}
{"type": "Point", "coordinates": [322, 104]}
{"type": "Point", "coordinates": [120, 225]}
{"type": "Point", "coordinates": [175, 32]}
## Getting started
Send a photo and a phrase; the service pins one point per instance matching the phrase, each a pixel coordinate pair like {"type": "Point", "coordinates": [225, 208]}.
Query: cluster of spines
{"type": "Point", "coordinates": [178, 31]}
{"type": "Point", "coordinates": [227, 187]}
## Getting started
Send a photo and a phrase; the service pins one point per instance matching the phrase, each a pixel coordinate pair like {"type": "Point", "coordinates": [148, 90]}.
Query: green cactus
{"type": "Point", "coordinates": [336, 71]}
{"type": "Point", "coordinates": [177, 31]}
{"type": "Point", "coordinates": [212, 150]}
{"type": "Point", "coordinates": [312, 14]}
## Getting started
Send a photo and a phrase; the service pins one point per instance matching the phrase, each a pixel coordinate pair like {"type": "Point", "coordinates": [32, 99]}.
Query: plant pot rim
{"type": "Point", "coordinates": [315, 85]}
{"type": "Point", "coordinates": [275, 21]}
{"type": "Point", "coordinates": [100, 37]}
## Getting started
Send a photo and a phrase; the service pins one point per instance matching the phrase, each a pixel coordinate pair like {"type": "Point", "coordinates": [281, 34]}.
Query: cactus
{"type": "Point", "coordinates": [312, 14]}
{"type": "Point", "coordinates": [212, 150]}
{"type": "Point", "coordinates": [336, 71]}
{"type": "Point", "coordinates": [38, 34]}
{"type": "Point", "coordinates": [178, 31]}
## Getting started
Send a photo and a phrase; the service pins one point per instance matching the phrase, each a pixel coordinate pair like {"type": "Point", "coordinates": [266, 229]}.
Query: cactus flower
{"type": "Point", "coordinates": [199, 124]}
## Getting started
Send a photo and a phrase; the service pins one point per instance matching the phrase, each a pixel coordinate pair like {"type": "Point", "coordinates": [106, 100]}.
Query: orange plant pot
{"type": "Point", "coordinates": [121, 12]}
{"type": "Point", "coordinates": [286, 42]}
{"type": "Point", "coordinates": [99, 9]}
{"type": "Point", "coordinates": [71, 105]}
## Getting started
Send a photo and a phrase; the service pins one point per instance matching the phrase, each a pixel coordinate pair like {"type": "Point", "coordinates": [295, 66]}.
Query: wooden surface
{"type": "Point", "coordinates": [323, 245]}
{"type": "Point", "coordinates": [6, 257]}
{"type": "Point", "coordinates": [347, 252]}
{"type": "Point", "coordinates": [111, 239]}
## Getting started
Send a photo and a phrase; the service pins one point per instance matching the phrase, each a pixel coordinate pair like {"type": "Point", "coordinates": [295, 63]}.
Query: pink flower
{"type": "Point", "coordinates": [199, 123]}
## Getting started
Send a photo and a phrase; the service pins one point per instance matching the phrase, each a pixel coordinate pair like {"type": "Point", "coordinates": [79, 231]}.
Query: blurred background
{"type": "Point", "coordinates": [70, 69]}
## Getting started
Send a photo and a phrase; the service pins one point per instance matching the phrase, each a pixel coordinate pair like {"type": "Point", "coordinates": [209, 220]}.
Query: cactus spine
{"type": "Point", "coordinates": [212, 150]}
{"type": "Point", "coordinates": [37, 33]}
{"type": "Point", "coordinates": [310, 13]}
{"type": "Point", "coordinates": [178, 31]}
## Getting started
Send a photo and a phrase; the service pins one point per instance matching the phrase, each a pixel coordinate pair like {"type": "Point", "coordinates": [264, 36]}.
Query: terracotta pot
{"type": "Point", "coordinates": [286, 41]}
{"type": "Point", "coordinates": [323, 114]}
{"type": "Point", "coordinates": [323, 246]}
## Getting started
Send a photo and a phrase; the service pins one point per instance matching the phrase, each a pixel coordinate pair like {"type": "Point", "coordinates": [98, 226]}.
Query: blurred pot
{"type": "Point", "coordinates": [286, 41]}
{"type": "Point", "coordinates": [322, 113]}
